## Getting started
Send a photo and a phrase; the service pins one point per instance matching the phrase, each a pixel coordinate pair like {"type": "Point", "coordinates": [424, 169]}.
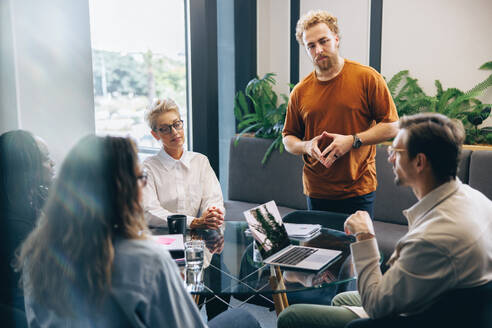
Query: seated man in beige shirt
{"type": "Point", "coordinates": [448, 245]}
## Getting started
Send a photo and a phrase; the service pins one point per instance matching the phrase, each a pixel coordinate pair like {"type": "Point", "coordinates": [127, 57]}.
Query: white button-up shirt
{"type": "Point", "coordinates": [185, 186]}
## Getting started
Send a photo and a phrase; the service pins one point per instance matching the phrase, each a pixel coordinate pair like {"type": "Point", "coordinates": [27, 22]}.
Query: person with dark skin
{"type": "Point", "coordinates": [26, 173]}
{"type": "Point", "coordinates": [90, 261]}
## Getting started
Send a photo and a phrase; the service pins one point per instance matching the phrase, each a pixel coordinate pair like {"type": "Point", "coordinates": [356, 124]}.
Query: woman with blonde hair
{"type": "Point", "coordinates": [180, 181]}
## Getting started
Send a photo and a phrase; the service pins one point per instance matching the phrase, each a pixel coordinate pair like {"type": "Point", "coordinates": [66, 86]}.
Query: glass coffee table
{"type": "Point", "coordinates": [232, 269]}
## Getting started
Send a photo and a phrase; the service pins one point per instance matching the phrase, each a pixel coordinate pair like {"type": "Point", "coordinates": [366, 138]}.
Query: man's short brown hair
{"type": "Point", "coordinates": [439, 138]}
{"type": "Point", "coordinates": [315, 17]}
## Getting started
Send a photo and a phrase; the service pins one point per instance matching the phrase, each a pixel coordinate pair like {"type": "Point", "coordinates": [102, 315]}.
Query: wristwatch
{"type": "Point", "coordinates": [357, 142]}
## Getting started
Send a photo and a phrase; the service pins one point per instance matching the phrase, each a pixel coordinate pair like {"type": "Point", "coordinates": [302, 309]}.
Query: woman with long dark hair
{"type": "Point", "coordinates": [89, 263]}
{"type": "Point", "coordinates": [26, 171]}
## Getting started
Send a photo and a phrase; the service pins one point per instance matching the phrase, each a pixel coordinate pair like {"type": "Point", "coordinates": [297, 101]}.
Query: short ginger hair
{"type": "Point", "coordinates": [315, 17]}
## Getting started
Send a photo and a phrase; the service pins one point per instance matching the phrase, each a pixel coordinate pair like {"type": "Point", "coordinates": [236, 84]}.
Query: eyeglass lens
{"type": "Point", "coordinates": [178, 125]}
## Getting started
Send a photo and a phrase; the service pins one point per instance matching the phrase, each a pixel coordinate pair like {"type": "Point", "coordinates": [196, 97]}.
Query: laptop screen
{"type": "Point", "coordinates": [267, 228]}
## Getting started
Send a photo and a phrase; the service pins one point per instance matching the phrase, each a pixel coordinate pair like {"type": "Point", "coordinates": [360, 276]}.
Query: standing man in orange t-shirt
{"type": "Point", "coordinates": [335, 117]}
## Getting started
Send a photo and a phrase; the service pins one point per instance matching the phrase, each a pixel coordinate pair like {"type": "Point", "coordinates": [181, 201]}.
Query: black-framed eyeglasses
{"type": "Point", "coordinates": [143, 178]}
{"type": "Point", "coordinates": [167, 128]}
{"type": "Point", "coordinates": [392, 150]}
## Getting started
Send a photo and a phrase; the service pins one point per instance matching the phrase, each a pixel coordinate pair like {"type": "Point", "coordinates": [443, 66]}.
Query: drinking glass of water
{"type": "Point", "coordinates": [194, 264]}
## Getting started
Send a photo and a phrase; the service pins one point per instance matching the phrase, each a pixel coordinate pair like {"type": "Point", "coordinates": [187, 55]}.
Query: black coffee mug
{"type": "Point", "coordinates": [176, 224]}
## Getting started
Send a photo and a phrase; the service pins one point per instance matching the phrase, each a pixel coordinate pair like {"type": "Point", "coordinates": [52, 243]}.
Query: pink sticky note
{"type": "Point", "coordinates": [165, 240]}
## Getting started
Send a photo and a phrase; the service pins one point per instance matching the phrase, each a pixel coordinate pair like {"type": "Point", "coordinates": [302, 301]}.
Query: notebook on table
{"type": "Point", "coordinates": [273, 242]}
{"type": "Point", "coordinates": [173, 243]}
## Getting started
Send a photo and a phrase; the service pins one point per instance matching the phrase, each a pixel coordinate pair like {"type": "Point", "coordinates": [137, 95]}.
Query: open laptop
{"type": "Point", "coordinates": [270, 234]}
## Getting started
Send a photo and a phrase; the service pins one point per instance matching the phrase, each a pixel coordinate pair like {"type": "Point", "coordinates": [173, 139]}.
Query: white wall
{"type": "Point", "coordinates": [273, 41]}
{"type": "Point", "coordinates": [439, 39]}
{"type": "Point", "coordinates": [273, 32]}
{"type": "Point", "coordinates": [353, 22]}
{"type": "Point", "coordinates": [8, 102]}
{"type": "Point", "coordinates": [49, 46]}
{"type": "Point", "coordinates": [445, 40]}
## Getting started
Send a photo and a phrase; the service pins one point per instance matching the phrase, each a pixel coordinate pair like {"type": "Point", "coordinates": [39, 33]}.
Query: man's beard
{"type": "Point", "coordinates": [324, 64]}
{"type": "Point", "coordinates": [329, 60]}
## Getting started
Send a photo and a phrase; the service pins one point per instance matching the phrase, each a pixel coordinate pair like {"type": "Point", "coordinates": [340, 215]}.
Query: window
{"type": "Point", "coordinates": [138, 55]}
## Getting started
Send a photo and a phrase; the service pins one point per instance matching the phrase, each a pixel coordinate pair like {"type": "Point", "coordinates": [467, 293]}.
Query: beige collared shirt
{"type": "Point", "coordinates": [448, 246]}
{"type": "Point", "coordinates": [185, 186]}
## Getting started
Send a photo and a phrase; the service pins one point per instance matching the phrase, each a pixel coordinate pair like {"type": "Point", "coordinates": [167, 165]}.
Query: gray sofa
{"type": "Point", "coordinates": [280, 179]}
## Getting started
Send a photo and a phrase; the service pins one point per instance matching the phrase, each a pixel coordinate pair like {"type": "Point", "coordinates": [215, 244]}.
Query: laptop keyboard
{"type": "Point", "coordinates": [295, 255]}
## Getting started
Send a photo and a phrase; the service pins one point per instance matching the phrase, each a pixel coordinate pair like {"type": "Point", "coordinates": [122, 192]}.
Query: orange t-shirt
{"type": "Point", "coordinates": [352, 102]}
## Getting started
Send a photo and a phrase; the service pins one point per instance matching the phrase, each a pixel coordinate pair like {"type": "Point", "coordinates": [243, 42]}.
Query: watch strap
{"type": "Point", "coordinates": [357, 142]}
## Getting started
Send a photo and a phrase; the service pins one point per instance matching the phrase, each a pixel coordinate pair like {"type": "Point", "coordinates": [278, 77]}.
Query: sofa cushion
{"type": "Point", "coordinates": [235, 208]}
{"type": "Point", "coordinates": [390, 198]}
{"type": "Point", "coordinates": [387, 235]}
{"type": "Point", "coordinates": [480, 172]}
{"type": "Point", "coordinates": [280, 179]}
{"type": "Point", "coordinates": [464, 166]}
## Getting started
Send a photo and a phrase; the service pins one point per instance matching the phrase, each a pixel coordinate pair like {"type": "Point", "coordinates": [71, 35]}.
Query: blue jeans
{"type": "Point", "coordinates": [348, 205]}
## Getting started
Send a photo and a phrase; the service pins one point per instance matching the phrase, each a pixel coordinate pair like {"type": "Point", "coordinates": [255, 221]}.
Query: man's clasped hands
{"type": "Point", "coordinates": [328, 147]}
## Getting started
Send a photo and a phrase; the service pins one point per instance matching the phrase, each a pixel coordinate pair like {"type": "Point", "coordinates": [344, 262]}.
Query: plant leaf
{"type": "Point", "coordinates": [261, 112]}
{"type": "Point", "coordinates": [247, 122]}
{"type": "Point", "coordinates": [480, 87]}
{"type": "Point", "coordinates": [249, 128]}
{"type": "Point", "coordinates": [240, 106]}
{"type": "Point", "coordinates": [394, 82]}
{"type": "Point", "coordinates": [438, 85]}
{"type": "Point", "coordinates": [269, 151]}
{"type": "Point", "coordinates": [486, 66]}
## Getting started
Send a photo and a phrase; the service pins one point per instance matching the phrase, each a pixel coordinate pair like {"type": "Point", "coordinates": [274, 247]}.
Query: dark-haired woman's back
{"type": "Point", "coordinates": [15, 229]}
{"type": "Point", "coordinates": [144, 275]}
{"type": "Point", "coordinates": [26, 171]}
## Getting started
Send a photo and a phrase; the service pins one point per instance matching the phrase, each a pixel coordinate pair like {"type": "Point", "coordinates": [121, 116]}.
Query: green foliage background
{"type": "Point", "coordinates": [258, 109]}
{"type": "Point", "coordinates": [125, 84]}
{"type": "Point", "coordinates": [411, 99]}
{"type": "Point", "coordinates": [139, 74]}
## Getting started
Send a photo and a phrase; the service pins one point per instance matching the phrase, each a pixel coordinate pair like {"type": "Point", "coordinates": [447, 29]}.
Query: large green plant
{"type": "Point", "coordinates": [257, 110]}
{"type": "Point", "coordinates": [411, 99]}
{"type": "Point", "coordinates": [408, 95]}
